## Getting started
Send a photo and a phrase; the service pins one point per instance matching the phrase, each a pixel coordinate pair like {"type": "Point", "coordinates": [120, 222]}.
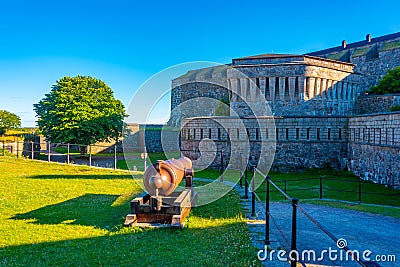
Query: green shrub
{"type": "Point", "coordinates": [223, 108]}
{"type": "Point", "coordinates": [389, 84]}
{"type": "Point", "coordinates": [396, 108]}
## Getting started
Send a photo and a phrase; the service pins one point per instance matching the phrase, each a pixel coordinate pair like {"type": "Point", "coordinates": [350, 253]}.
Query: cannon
{"type": "Point", "coordinates": [162, 205]}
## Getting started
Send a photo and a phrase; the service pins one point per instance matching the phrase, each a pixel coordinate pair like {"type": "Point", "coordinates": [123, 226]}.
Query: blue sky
{"type": "Point", "coordinates": [126, 42]}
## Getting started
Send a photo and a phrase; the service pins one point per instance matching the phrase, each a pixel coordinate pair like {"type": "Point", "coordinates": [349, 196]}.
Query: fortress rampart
{"type": "Point", "coordinates": [323, 116]}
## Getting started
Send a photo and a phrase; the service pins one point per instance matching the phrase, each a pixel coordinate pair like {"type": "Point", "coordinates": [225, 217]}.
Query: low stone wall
{"type": "Point", "coordinates": [161, 141]}
{"type": "Point", "coordinates": [310, 142]}
{"type": "Point", "coordinates": [297, 156]}
{"type": "Point", "coordinates": [376, 163]}
{"type": "Point", "coordinates": [371, 104]}
{"type": "Point", "coordinates": [156, 138]}
{"type": "Point", "coordinates": [31, 147]}
{"type": "Point", "coordinates": [14, 147]}
{"type": "Point", "coordinates": [374, 147]}
{"type": "Point", "coordinates": [300, 142]}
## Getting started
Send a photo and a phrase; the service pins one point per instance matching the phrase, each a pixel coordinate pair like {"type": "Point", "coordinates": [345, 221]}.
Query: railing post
{"type": "Point", "coordinates": [145, 159]}
{"type": "Point", "coordinates": [253, 194]}
{"type": "Point", "coordinates": [17, 147]}
{"type": "Point", "coordinates": [246, 185]}
{"type": "Point", "coordinates": [32, 150]}
{"type": "Point", "coordinates": [115, 156]}
{"type": "Point", "coordinates": [68, 153]}
{"type": "Point", "coordinates": [293, 247]}
{"type": "Point", "coordinates": [90, 155]}
{"type": "Point", "coordinates": [320, 187]}
{"type": "Point", "coordinates": [48, 151]}
{"type": "Point", "coordinates": [221, 177]}
{"type": "Point", "coordinates": [267, 241]}
{"type": "Point", "coordinates": [359, 190]}
{"type": "Point", "coordinates": [285, 187]}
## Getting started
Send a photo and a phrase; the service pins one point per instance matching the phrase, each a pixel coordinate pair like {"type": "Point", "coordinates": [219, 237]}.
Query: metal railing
{"type": "Point", "coordinates": [294, 202]}
{"type": "Point", "coordinates": [85, 154]}
{"type": "Point", "coordinates": [322, 188]}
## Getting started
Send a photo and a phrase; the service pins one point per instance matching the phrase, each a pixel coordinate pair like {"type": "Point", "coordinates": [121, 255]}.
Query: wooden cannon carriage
{"type": "Point", "coordinates": [161, 206]}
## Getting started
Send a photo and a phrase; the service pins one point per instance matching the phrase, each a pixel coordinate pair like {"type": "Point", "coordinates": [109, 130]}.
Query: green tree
{"type": "Point", "coordinates": [389, 84]}
{"type": "Point", "coordinates": [8, 121]}
{"type": "Point", "coordinates": [80, 110]}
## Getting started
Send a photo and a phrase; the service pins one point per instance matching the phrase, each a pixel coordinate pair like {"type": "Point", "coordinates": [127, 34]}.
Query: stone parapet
{"type": "Point", "coordinates": [374, 147]}
{"type": "Point", "coordinates": [371, 104]}
{"type": "Point", "coordinates": [301, 142]}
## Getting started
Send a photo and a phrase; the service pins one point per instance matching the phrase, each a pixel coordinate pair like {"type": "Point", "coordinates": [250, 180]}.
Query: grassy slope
{"type": "Point", "coordinates": [52, 214]}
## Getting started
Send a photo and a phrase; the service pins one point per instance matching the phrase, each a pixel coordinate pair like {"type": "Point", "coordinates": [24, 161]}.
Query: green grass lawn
{"type": "Point", "coordinates": [53, 214]}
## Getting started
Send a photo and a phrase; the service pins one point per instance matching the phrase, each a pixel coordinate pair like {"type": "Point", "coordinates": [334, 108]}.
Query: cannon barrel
{"type": "Point", "coordinates": [166, 175]}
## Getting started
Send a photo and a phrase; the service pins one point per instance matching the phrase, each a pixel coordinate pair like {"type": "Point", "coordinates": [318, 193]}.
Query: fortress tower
{"type": "Point", "coordinates": [314, 98]}
{"type": "Point", "coordinates": [294, 84]}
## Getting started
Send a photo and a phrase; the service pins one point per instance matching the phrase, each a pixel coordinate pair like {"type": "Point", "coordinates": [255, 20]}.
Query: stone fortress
{"type": "Point", "coordinates": [323, 116]}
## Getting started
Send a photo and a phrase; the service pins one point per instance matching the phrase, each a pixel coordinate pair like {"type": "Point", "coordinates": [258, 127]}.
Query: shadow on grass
{"type": "Point", "coordinates": [225, 245]}
{"type": "Point", "coordinates": [226, 207]}
{"type": "Point", "coordinates": [98, 210]}
{"type": "Point", "coordinates": [202, 243]}
{"type": "Point", "coordinates": [90, 210]}
{"type": "Point", "coordinates": [82, 176]}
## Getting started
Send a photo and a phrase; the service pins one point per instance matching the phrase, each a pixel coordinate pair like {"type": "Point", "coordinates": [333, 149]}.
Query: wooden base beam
{"type": "Point", "coordinates": [174, 210]}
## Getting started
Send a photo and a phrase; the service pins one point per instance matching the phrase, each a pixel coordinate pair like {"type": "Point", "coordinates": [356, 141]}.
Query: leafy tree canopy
{"type": "Point", "coordinates": [80, 110]}
{"type": "Point", "coordinates": [389, 84]}
{"type": "Point", "coordinates": [8, 121]}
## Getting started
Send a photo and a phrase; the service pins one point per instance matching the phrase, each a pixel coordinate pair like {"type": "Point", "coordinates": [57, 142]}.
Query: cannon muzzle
{"type": "Point", "coordinates": [166, 175]}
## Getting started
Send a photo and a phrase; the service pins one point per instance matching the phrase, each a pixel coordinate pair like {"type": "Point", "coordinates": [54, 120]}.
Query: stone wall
{"type": "Point", "coordinates": [161, 141]}
{"type": "Point", "coordinates": [14, 147]}
{"type": "Point", "coordinates": [372, 60]}
{"type": "Point", "coordinates": [203, 83]}
{"type": "Point", "coordinates": [373, 69]}
{"type": "Point", "coordinates": [374, 147]}
{"type": "Point", "coordinates": [301, 142]}
{"type": "Point", "coordinates": [31, 144]}
{"type": "Point", "coordinates": [370, 104]}
{"type": "Point", "coordinates": [155, 137]}
{"type": "Point", "coordinates": [311, 142]}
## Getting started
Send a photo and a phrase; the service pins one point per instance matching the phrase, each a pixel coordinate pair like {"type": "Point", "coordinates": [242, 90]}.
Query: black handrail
{"type": "Point", "coordinates": [359, 190]}
{"type": "Point", "coordinates": [295, 206]}
{"type": "Point", "coordinates": [330, 235]}
{"type": "Point", "coordinates": [29, 149]}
